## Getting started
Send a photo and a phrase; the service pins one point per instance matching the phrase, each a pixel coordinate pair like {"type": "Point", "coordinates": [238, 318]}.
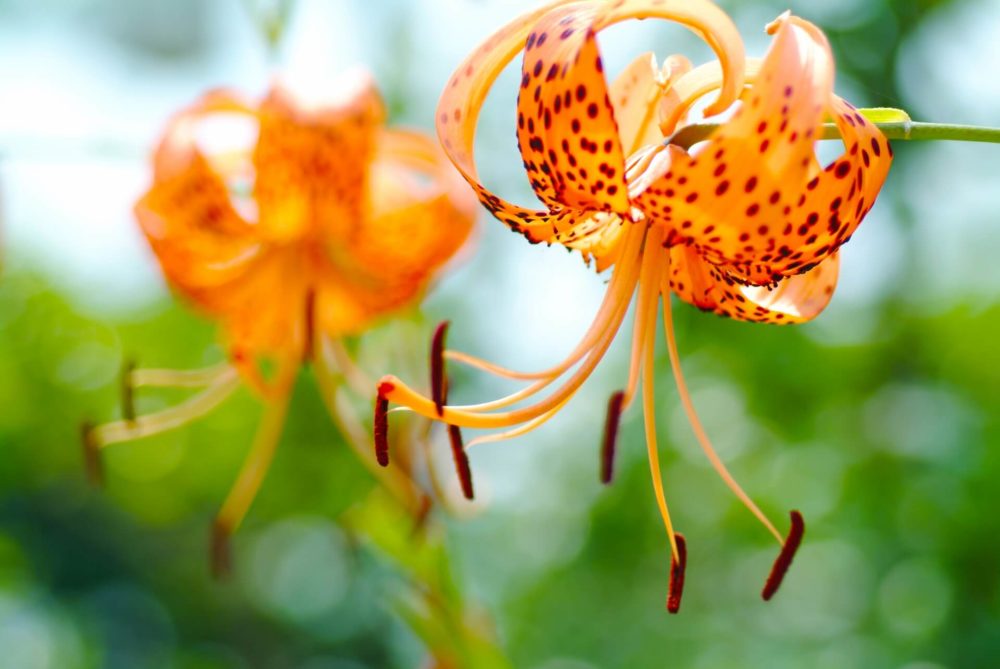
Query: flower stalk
{"type": "Point", "coordinates": [894, 124]}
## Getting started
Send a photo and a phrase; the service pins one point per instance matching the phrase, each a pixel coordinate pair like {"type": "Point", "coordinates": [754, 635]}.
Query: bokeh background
{"type": "Point", "coordinates": [879, 420]}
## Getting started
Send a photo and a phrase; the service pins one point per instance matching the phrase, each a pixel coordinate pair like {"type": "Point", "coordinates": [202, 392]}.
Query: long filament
{"type": "Point", "coordinates": [696, 425]}
{"type": "Point", "coordinates": [652, 271]}
{"type": "Point", "coordinates": [194, 407]}
{"type": "Point", "coordinates": [395, 390]}
{"type": "Point", "coordinates": [522, 429]}
{"type": "Point", "coordinates": [652, 451]}
{"type": "Point", "coordinates": [177, 378]}
{"type": "Point", "coordinates": [261, 454]}
{"type": "Point", "coordinates": [621, 282]}
{"type": "Point", "coordinates": [645, 314]}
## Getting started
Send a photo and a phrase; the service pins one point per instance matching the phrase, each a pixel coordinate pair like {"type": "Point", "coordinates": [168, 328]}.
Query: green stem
{"type": "Point", "coordinates": [906, 130]}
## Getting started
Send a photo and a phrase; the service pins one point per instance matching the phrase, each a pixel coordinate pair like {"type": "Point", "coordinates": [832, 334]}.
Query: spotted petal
{"type": "Point", "coordinates": [754, 199]}
{"type": "Point", "coordinates": [188, 215]}
{"type": "Point", "coordinates": [566, 127]}
{"type": "Point", "coordinates": [636, 94]}
{"type": "Point", "coordinates": [462, 100]}
{"type": "Point", "coordinates": [311, 159]}
{"type": "Point", "coordinates": [795, 299]}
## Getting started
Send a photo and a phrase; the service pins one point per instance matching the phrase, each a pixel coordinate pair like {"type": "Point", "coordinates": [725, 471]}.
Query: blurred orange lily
{"type": "Point", "coordinates": [309, 226]}
{"type": "Point", "coordinates": [746, 224]}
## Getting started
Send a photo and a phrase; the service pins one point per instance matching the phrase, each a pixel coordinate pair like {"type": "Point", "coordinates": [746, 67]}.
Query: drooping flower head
{"type": "Point", "coordinates": [294, 223]}
{"type": "Point", "coordinates": [746, 224]}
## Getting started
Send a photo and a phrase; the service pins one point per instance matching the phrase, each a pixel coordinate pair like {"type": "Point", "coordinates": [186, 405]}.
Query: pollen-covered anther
{"type": "Point", "coordinates": [91, 454]}
{"type": "Point", "coordinates": [677, 565]}
{"type": "Point", "coordinates": [611, 436]}
{"type": "Point", "coordinates": [785, 557]}
{"type": "Point", "coordinates": [439, 389]}
{"type": "Point", "coordinates": [381, 424]}
{"type": "Point", "coordinates": [461, 458]}
{"type": "Point", "coordinates": [127, 390]}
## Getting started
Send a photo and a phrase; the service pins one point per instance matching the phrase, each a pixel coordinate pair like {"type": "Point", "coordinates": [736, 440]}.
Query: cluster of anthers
{"type": "Point", "coordinates": [746, 224]}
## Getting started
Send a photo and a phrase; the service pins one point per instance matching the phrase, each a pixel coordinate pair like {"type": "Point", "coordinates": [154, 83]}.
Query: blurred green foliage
{"type": "Point", "coordinates": [887, 441]}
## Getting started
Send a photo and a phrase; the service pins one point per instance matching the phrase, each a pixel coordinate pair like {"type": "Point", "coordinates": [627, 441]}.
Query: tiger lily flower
{"type": "Point", "coordinates": [746, 224]}
{"type": "Point", "coordinates": [309, 229]}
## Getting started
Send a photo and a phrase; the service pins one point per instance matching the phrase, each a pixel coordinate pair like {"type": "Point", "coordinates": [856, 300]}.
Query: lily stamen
{"type": "Point", "coordinates": [611, 422]}
{"type": "Point", "coordinates": [699, 430]}
{"type": "Point", "coordinates": [461, 459]}
{"type": "Point", "coordinates": [381, 424]}
{"type": "Point", "coordinates": [678, 565]}
{"type": "Point", "coordinates": [785, 557]}
{"type": "Point", "coordinates": [439, 392]}
{"type": "Point", "coordinates": [221, 387]}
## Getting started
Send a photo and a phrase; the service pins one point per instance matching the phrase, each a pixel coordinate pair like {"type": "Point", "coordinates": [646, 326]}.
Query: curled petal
{"type": "Point", "coordinates": [462, 100]}
{"type": "Point", "coordinates": [693, 84]}
{"type": "Point", "coordinates": [754, 199]}
{"type": "Point", "coordinates": [795, 299]}
{"type": "Point", "coordinates": [566, 127]}
{"type": "Point", "coordinates": [636, 95]}
{"type": "Point", "coordinates": [202, 242]}
{"type": "Point", "coordinates": [703, 18]}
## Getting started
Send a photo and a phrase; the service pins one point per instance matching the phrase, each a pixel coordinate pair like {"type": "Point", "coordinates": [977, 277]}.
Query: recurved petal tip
{"type": "Point", "coordinates": [773, 26]}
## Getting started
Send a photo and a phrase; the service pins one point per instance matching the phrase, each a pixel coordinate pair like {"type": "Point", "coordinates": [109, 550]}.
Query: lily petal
{"type": "Point", "coordinates": [566, 127]}
{"type": "Point", "coordinates": [754, 199]}
{"type": "Point", "coordinates": [795, 299]}
{"type": "Point", "coordinates": [188, 214]}
{"type": "Point", "coordinates": [420, 213]}
{"type": "Point", "coordinates": [311, 159]}
{"type": "Point", "coordinates": [636, 95]}
{"type": "Point", "coordinates": [462, 100]}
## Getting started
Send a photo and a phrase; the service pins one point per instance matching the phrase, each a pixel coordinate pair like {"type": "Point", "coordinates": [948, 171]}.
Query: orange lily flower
{"type": "Point", "coordinates": [746, 224]}
{"type": "Point", "coordinates": [315, 226]}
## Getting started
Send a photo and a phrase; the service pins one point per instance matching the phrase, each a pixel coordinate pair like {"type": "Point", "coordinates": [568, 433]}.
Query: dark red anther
{"type": "Point", "coordinates": [611, 436]}
{"type": "Point", "coordinates": [677, 566]}
{"type": "Point", "coordinates": [309, 321]}
{"type": "Point", "coordinates": [461, 461]}
{"type": "Point", "coordinates": [128, 394]}
{"type": "Point", "coordinates": [439, 389]}
{"type": "Point", "coordinates": [381, 424]}
{"type": "Point", "coordinates": [784, 560]}
{"type": "Point", "coordinates": [91, 454]}
{"type": "Point", "coordinates": [220, 551]}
